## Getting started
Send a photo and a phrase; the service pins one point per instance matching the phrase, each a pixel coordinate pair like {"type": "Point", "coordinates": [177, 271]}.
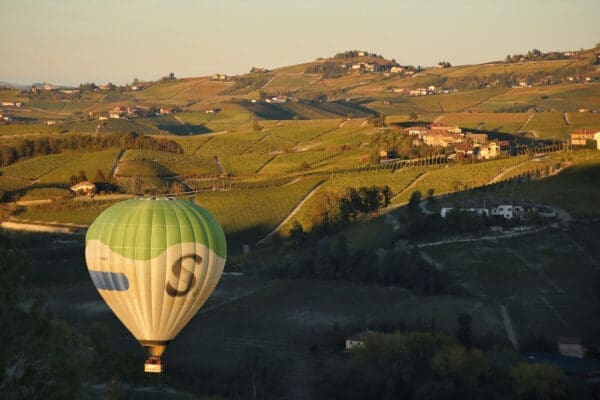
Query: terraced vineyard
{"type": "Point", "coordinates": [453, 178]}
{"type": "Point", "coordinates": [548, 125]}
{"type": "Point", "coordinates": [248, 215]}
{"type": "Point", "coordinates": [36, 167]}
{"type": "Point", "coordinates": [184, 165]}
{"type": "Point", "coordinates": [89, 163]}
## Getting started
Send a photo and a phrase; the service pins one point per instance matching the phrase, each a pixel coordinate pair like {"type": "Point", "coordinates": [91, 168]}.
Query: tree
{"type": "Point", "coordinates": [464, 333]}
{"type": "Point", "coordinates": [41, 356]}
{"type": "Point", "coordinates": [171, 76]}
{"type": "Point", "coordinates": [413, 116]}
{"type": "Point", "coordinates": [414, 204]}
{"type": "Point", "coordinates": [538, 382]}
{"type": "Point", "coordinates": [297, 234]}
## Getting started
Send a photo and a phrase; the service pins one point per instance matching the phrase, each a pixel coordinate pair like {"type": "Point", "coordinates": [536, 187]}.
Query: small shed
{"type": "Point", "coordinates": [570, 346]}
{"type": "Point", "coordinates": [84, 187]}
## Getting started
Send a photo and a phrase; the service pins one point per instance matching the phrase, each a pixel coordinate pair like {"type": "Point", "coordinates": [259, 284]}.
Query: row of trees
{"type": "Point", "coordinates": [432, 366]}
{"type": "Point", "coordinates": [320, 256]}
{"type": "Point", "coordinates": [39, 146]}
{"type": "Point", "coordinates": [330, 209]}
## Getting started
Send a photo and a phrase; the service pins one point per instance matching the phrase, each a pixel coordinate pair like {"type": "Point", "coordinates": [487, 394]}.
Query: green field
{"type": "Point", "coordinates": [89, 163]}
{"type": "Point", "coordinates": [248, 215]}
{"type": "Point", "coordinates": [499, 122]}
{"type": "Point", "coordinates": [548, 125]}
{"type": "Point", "coordinates": [34, 168]}
{"type": "Point", "coordinates": [184, 165]}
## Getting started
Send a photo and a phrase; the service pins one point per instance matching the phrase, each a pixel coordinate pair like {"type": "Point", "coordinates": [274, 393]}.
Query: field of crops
{"type": "Point", "coordinates": [28, 129]}
{"type": "Point", "coordinates": [500, 122]}
{"type": "Point", "coordinates": [248, 215]}
{"type": "Point", "coordinates": [229, 117]}
{"type": "Point", "coordinates": [584, 120]}
{"type": "Point", "coordinates": [37, 167]}
{"type": "Point", "coordinates": [38, 193]}
{"type": "Point", "coordinates": [303, 131]}
{"type": "Point", "coordinates": [548, 125]}
{"type": "Point", "coordinates": [457, 177]}
{"type": "Point", "coordinates": [289, 162]}
{"type": "Point", "coordinates": [142, 168]}
{"type": "Point", "coordinates": [76, 212]}
{"type": "Point", "coordinates": [11, 184]}
{"type": "Point", "coordinates": [89, 163]}
{"type": "Point", "coordinates": [179, 164]}
{"type": "Point", "coordinates": [245, 164]}
{"type": "Point", "coordinates": [568, 97]}
{"type": "Point", "coordinates": [230, 143]}
{"type": "Point", "coordinates": [288, 82]}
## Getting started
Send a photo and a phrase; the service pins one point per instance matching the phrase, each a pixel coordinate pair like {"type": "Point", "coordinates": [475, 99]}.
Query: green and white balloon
{"type": "Point", "coordinates": [155, 262]}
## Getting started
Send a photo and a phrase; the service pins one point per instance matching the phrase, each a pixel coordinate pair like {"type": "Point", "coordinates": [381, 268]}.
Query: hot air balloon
{"type": "Point", "coordinates": [155, 261]}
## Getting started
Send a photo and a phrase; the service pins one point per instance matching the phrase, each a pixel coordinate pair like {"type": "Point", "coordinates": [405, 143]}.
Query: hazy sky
{"type": "Point", "coordinates": [99, 41]}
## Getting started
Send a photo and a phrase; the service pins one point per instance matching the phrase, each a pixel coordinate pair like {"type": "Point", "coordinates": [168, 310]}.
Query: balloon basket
{"type": "Point", "coordinates": [153, 365]}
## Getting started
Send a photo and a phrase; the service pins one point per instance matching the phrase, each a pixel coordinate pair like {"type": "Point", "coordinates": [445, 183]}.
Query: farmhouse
{"type": "Point", "coordinates": [277, 99]}
{"type": "Point", "coordinates": [509, 211]}
{"type": "Point", "coordinates": [488, 151]}
{"type": "Point", "coordinates": [84, 187]}
{"type": "Point", "coordinates": [396, 70]}
{"type": "Point", "coordinates": [418, 92]}
{"type": "Point", "coordinates": [165, 111]}
{"type": "Point", "coordinates": [444, 139]}
{"type": "Point", "coordinates": [418, 131]}
{"type": "Point", "coordinates": [570, 346]}
{"type": "Point", "coordinates": [580, 137]}
{"type": "Point", "coordinates": [466, 149]}
{"type": "Point", "coordinates": [219, 77]}
{"type": "Point", "coordinates": [357, 340]}
{"type": "Point", "coordinates": [479, 138]}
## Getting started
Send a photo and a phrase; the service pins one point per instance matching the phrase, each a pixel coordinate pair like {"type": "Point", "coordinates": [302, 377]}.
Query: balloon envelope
{"type": "Point", "coordinates": [155, 262]}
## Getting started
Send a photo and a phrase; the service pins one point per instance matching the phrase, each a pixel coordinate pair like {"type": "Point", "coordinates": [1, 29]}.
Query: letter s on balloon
{"type": "Point", "coordinates": [183, 275]}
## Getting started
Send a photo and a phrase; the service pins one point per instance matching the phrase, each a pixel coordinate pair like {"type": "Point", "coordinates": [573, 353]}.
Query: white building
{"type": "Point", "coordinates": [509, 211]}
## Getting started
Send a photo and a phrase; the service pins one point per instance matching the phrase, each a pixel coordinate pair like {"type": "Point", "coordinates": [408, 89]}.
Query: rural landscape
{"type": "Point", "coordinates": [392, 230]}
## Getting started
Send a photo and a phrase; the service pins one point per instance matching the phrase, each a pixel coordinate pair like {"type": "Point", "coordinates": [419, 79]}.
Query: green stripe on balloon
{"type": "Point", "coordinates": [143, 228]}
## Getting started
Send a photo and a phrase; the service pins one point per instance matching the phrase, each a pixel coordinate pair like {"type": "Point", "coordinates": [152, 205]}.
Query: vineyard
{"type": "Point", "coordinates": [248, 215]}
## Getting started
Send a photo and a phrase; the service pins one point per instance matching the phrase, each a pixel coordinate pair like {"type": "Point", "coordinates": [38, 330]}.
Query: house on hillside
{"type": "Point", "coordinates": [581, 137]}
{"type": "Point", "coordinates": [396, 70]}
{"type": "Point", "coordinates": [491, 150]}
{"type": "Point", "coordinates": [357, 340]}
{"type": "Point", "coordinates": [444, 139]}
{"type": "Point", "coordinates": [219, 77]}
{"type": "Point", "coordinates": [479, 138]}
{"type": "Point", "coordinates": [85, 187]}
{"type": "Point", "coordinates": [570, 346]}
{"type": "Point", "coordinates": [418, 92]}
{"type": "Point", "coordinates": [509, 211]}
{"type": "Point", "coordinates": [465, 149]}
{"type": "Point", "coordinates": [417, 131]}
{"type": "Point", "coordinates": [165, 111]}
{"type": "Point", "coordinates": [277, 99]}
{"type": "Point", "coordinates": [504, 145]}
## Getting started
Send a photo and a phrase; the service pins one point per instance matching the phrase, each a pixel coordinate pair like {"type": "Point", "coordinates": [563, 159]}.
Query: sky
{"type": "Point", "coordinates": [69, 42]}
